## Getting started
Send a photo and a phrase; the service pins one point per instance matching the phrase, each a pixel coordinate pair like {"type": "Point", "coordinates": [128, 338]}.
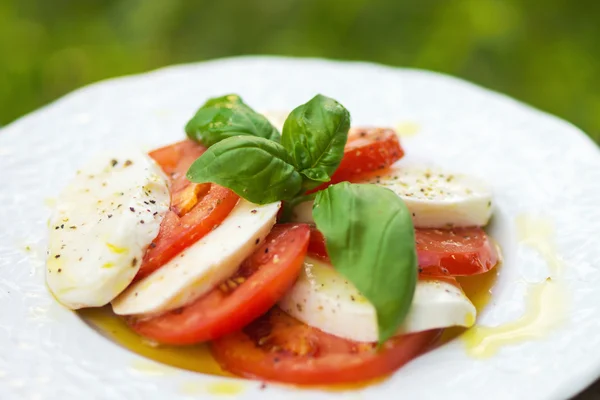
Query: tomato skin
{"type": "Point", "coordinates": [261, 281]}
{"type": "Point", "coordinates": [195, 209]}
{"type": "Point", "coordinates": [457, 252]}
{"type": "Point", "coordinates": [441, 252]}
{"type": "Point", "coordinates": [277, 347]}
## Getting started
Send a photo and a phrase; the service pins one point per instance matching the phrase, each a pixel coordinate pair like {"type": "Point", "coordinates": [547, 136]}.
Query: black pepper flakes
{"type": "Point", "coordinates": [57, 256]}
{"type": "Point", "coordinates": [257, 241]}
{"type": "Point", "coordinates": [109, 215]}
{"type": "Point", "coordinates": [152, 201]}
{"type": "Point", "coordinates": [113, 162]}
{"type": "Point", "coordinates": [131, 209]}
{"type": "Point", "coordinates": [128, 163]}
{"type": "Point", "coordinates": [142, 221]}
{"type": "Point", "coordinates": [134, 262]}
{"type": "Point", "coordinates": [254, 211]}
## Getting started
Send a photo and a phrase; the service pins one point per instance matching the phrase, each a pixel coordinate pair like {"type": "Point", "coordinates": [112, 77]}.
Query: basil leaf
{"type": "Point", "coordinates": [315, 135]}
{"type": "Point", "coordinates": [227, 116]}
{"type": "Point", "coordinates": [224, 101]}
{"type": "Point", "coordinates": [370, 240]}
{"type": "Point", "coordinates": [257, 169]}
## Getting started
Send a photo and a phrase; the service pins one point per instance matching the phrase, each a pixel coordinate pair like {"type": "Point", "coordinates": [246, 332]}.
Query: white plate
{"type": "Point", "coordinates": [537, 165]}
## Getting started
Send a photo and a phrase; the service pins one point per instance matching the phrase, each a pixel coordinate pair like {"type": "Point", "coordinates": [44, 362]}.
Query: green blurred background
{"type": "Point", "coordinates": [546, 53]}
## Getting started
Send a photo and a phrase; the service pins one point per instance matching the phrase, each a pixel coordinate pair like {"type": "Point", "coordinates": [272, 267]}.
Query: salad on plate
{"type": "Point", "coordinates": [306, 255]}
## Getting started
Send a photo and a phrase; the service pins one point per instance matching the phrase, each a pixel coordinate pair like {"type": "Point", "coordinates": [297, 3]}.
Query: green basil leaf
{"type": "Point", "coordinates": [370, 240]}
{"type": "Point", "coordinates": [227, 116]}
{"type": "Point", "coordinates": [315, 135]}
{"type": "Point", "coordinates": [257, 169]}
{"type": "Point", "coordinates": [224, 101]}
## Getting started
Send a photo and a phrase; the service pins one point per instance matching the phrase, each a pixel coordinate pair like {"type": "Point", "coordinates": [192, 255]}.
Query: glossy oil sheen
{"type": "Point", "coordinates": [546, 301]}
{"type": "Point", "coordinates": [198, 358]}
{"type": "Point", "coordinates": [478, 288]}
{"type": "Point", "coordinates": [194, 358]}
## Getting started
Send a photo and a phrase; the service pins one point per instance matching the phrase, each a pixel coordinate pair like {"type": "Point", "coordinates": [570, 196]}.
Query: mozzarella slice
{"type": "Point", "coordinates": [103, 222]}
{"type": "Point", "coordinates": [202, 266]}
{"type": "Point", "coordinates": [438, 199]}
{"type": "Point", "coordinates": [322, 298]}
{"type": "Point", "coordinates": [435, 198]}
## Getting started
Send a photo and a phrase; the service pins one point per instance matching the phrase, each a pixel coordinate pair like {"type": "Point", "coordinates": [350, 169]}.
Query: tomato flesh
{"type": "Point", "coordinates": [457, 252]}
{"type": "Point", "coordinates": [260, 282]}
{"type": "Point", "coordinates": [195, 210]}
{"type": "Point", "coordinates": [441, 252]}
{"type": "Point", "coordinates": [277, 347]}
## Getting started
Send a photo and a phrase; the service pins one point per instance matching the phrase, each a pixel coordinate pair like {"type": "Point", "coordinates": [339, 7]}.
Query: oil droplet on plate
{"type": "Point", "coordinates": [215, 388]}
{"type": "Point", "coordinates": [407, 129]}
{"type": "Point", "coordinates": [545, 310]}
{"type": "Point", "coordinates": [225, 388]}
{"type": "Point", "coordinates": [194, 358]}
{"type": "Point", "coordinates": [538, 233]}
{"type": "Point", "coordinates": [150, 368]}
{"type": "Point", "coordinates": [546, 302]}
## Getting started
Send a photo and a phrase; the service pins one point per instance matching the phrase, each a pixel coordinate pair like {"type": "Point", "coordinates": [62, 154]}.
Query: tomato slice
{"type": "Point", "coordinates": [458, 251]}
{"type": "Point", "coordinates": [441, 252]}
{"type": "Point", "coordinates": [280, 348]}
{"type": "Point", "coordinates": [367, 150]}
{"type": "Point", "coordinates": [196, 209]}
{"type": "Point", "coordinates": [262, 279]}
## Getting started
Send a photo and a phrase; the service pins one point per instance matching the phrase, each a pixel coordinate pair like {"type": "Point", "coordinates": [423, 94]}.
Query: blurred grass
{"type": "Point", "coordinates": [546, 53]}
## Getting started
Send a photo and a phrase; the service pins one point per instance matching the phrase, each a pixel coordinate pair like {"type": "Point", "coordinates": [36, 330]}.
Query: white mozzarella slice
{"type": "Point", "coordinates": [435, 198]}
{"type": "Point", "coordinates": [103, 222]}
{"type": "Point", "coordinates": [438, 199]}
{"type": "Point", "coordinates": [199, 268]}
{"type": "Point", "coordinates": [322, 298]}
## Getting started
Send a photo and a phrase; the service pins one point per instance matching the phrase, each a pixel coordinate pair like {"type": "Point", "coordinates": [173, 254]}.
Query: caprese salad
{"type": "Point", "coordinates": [306, 256]}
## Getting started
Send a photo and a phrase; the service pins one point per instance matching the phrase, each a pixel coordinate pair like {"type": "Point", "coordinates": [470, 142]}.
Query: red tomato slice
{"type": "Point", "coordinates": [441, 252]}
{"type": "Point", "coordinates": [367, 150]}
{"type": "Point", "coordinates": [261, 280]}
{"type": "Point", "coordinates": [458, 251]}
{"type": "Point", "coordinates": [196, 209]}
{"type": "Point", "coordinates": [277, 347]}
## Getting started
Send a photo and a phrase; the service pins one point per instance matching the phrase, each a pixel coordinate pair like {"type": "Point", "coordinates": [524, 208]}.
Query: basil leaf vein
{"type": "Point", "coordinates": [228, 116]}
{"type": "Point", "coordinates": [370, 240]}
{"type": "Point", "coordinates": [257, 169]}
{"type": "Point", "coordinates": [315, 134]}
